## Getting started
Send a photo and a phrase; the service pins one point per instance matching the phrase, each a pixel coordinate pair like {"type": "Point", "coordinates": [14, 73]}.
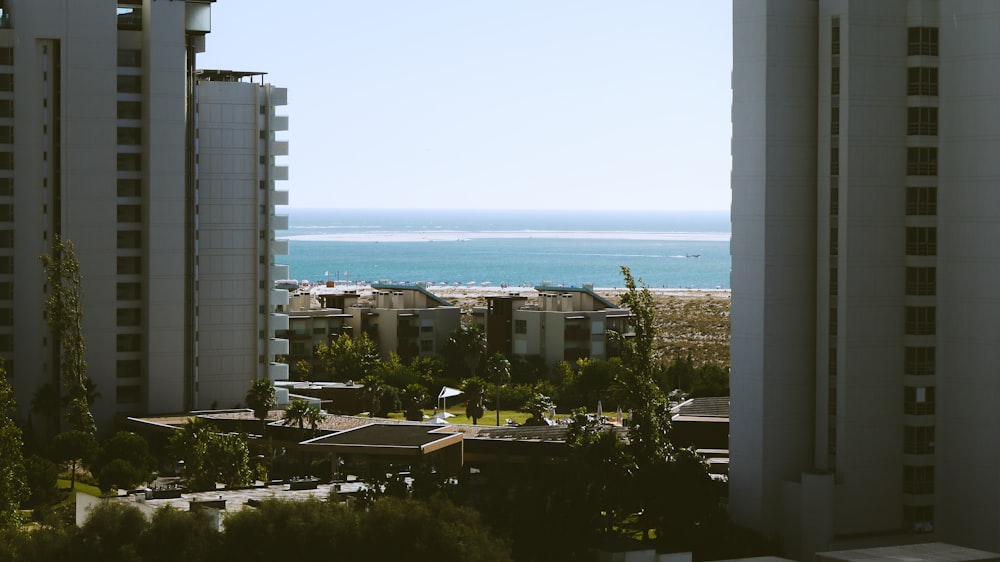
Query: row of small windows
{"type": "Point", "coordinates": [129, 84]}
{"type": "Point", "coordinates": [6, 212]}
{"type": "Point", "coordinates": [128, 291]}
{"type": "Point", "coordinates": [918, 440]}
{"type": "Point", "coordinates": [921, 241]}
{"type": "Point", "coordinates": [918, 400]}
{"type": "Point", "coordinates": [922, 81]}
{"type": "Point", "coordinates": [922, 121]}
{"type": "Point", "coordinates": [6, 160]}
{"type": "Point", "coordinates": [918, 479]}
{"type": "Point", "coordinates": [130, 110]}
{"type": "Point", "coordinates": [129, 213]}
{"type": "Point", "coordinates": [129, 187]}
{"type": "Point", "coordinates": [6, 82]}
{"type": "Point", "coordinates": [6, 108]}
{"type": "Point", "coordinates": [921, 321]}
{"type": "Point", "coordinates": [921, 281]}
{"type": "Point", "coordinates": [6, 265]}
{"type": "Point", "coordinates": [7, 346]}
{"type": "Point", "coordinates": [129, 162]}
{"type": "Point", "coordinates": [6, 317]}
{"type": "Point", "coordinates": [129, 135]}
{"type": "Point", "coordinates": [919, 360]}
{"type": "Point", "coordinates": [6, 56]}
{"type": "Point", "coordinates": [922, 41]}
{"type": "Point", "coordinates": [129, 57]}
{"type": "Point", "coordinates": [921, 161]}
{"type": "Point", "coordinates": [129, 265]}
{"type": "Point", "coordinates": [128, 368]}
{"type": "Point", "coordinates": [128, 342]}
{"type": "Point", "coordinates": [6, 290]}
{"type": "Point", "coordinates": [6, 134]}
{"type": "Point", "coordinates": [6, 238]}
{"type": "Point", "coordinates": [128, 317]}
{"type": "Point", "coordinates": [921, 201]}
{"type": "Point", "coordinates": [129, 239]}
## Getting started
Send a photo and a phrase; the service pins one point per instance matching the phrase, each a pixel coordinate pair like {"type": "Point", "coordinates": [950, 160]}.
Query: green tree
{"type": "Point", "coordinates": [498, 371]}
{"type": "Point", "coordinates": [414, 397]}
{"type": "Point", "coordinates": [295, 413]}
{"type": "Point", "coordinates": [211, 457]}
{"type": "Point", "coordinates": [42, 477]}
{"type": "Point", "coordinates": [374, 394]}
{"type": "Point", "coordinates": [13, 478]}
{"type": "Point", "coordinates": [474, 388]}
{"type": "Point", "coordinates": [64, 313]}
{"type": "Point", "coordinates": [538, 406]}
{"type": "Point", "coordinates": [76, 447]}
{"type": "Point", "coordinates": [131, 448]}
{"type": "Point", "coordinates": [395, 373]}
{"type": "Point", "coordinates": [178, 536]}
{"type": "Point", "coordinates": [348, 358]}
{"type": "Point", "coordinates": [260, 398]}
{"type": "Point", "coordinates": [468, 343]}
{"type": "Point", "coordinates": [111, 532]}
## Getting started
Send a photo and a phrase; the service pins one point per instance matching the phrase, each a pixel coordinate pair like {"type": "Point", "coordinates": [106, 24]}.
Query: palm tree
{"type": "Point", "coordinates": [473, 388]}
{"type": "Point", "coordinates": [498, 370]}
{"type": "Point", "coordinates": [313, 417]}
{"type": "Point", "coordinates": [297, 413]}
{"type": "Point", "coordinates": [372, 393]}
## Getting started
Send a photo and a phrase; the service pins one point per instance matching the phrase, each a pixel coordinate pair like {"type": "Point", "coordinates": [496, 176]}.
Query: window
{"type": "Point", "coordinates": [6, 160]}
{"type": "Point", "coordinates": [128, 368]}
{"type": "Point", "coordinates": [918, 440]}
{"type": "Point", "coordinates": [426, 346]}
{"type": "Point", "coordinates": [835, 81]}
{"type": "Point", "coordinates": [131, 394]}
{"type": "Point", "coordinates": [919, 360]}
{"type": "Point", "coordinates": [129, 135]}
{"type": "Point", "coordinates": [6, 134]}
{"type": "Point", "coordinates": [129, 57]}
{"type": "Point", "coordinates": [520, 326]}
{"type": "Point", "coordinates": [921, 201]}
{"type": "Point", "coordinates": [922, 81]}
{"type": "Point", "coordinates": [129, 162]}
{"type": "Point", "coordinates": [918, 479]}
{"type": "Point", "coordinates": [130, 19]}
{"type": "Point", "coordinates": [922, 41]}
{"type": "Point", "coordinates": [921, 281]}
{"type": "Point", "coordinates": [128, 291]}
{"type": "Point", "coordinates": [130, 110]}
{"type": "Point", "coordinates": [6, 108]}
{"type": "Point", "coordinates": [6, 264]}
{"type": "Point", "coordinates": [834, 200]}
{"type": "Point", "coordinates": [834, 241]}
{"type": "Point", "coordinates": [129, 239]}
{"type": "Point", "coordinates": [6, 56]}
{"type": "Point", "coordinates": [6, 82]}
{"type": "Point", "coordinates": [6, 238]}
{"type": "Point", "coordinates": [922, 121]}
{"type": "Point", "coordinates": [834, 120]}
{"type": "Point", "coordinates": [919, 517]}
{"type": "Point", "coordinates": [6, 212]}
{"type": "Point", "coordinates": [921, 320]}
{"type": "Point", "coordinates": [918, 400]}
{"type": "Point", "coordinates": [7, 187]}
{"type": "Point", "coordinates": [833, 320]}
{"type": "Point", "coordinates": [129, 213]}
{"type": "Point", "coordinates": [7, 346]}
{"type": "Point", "coordinates": [834, 161]}
{"type": "Point", "coordinates": [921, 241]}
{"type": "Point", "coordinates": [129, 265]}
{"type": "Point", "coordinates": [128, 317]}
{"type": "Point", "coordinates": [6, 290]}
{"type": "Point", "coordinates": [6, 317]}
{"type": "Point", "coordinates": [834, 283]}
{"type": "Point", "coordinates": [129, 84]}
{"type": "Point", "coordinates": [129, 187]}
{"type": "Point", "coordinates": [921, 161]}
{"type": "Point", "coordinates": [128, 342]}
{"type": "Point", "coordinates": [835, 37]}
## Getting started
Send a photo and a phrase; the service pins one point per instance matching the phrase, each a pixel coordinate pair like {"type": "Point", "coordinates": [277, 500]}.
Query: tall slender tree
{"type": "Point", "coordinates": [64, 313]}
{"type": "Point", "coordinates": [498, 371]}
{"type": "Point", "coordinates": [13, 478]}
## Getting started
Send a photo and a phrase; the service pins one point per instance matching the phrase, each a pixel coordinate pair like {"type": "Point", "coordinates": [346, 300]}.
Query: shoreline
{"type": "Point", "coordinates": [471, 292]}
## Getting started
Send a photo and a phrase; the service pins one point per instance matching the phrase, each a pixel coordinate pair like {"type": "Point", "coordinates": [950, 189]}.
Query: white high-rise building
{"type": "Point", "coordinates": [163, 179]}
{"type": "Point", "coordinates": [866, 215]}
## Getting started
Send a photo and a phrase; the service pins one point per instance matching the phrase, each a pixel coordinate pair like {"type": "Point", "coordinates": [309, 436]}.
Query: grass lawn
{"type": "Point", "coordinates": [489, 418]}
{"type": "Point", "coordinates": [63, 484]}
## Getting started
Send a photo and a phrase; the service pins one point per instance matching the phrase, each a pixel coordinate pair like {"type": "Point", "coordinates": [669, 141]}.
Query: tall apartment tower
{"type": "Point", "coordinates": [866, 215]}
{"type": "Point", "coordinates": [163, 179]}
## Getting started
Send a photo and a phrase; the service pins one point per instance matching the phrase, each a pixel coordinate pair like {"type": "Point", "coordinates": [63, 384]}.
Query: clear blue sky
{"type": "Point", "coordinates": [545, 104]}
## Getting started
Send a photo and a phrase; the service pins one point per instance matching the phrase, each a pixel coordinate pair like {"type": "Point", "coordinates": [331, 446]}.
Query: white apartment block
{"type": "Point", "coordinates": [866, 215]}
{"type": "Point", "coordinates": [163, 179]}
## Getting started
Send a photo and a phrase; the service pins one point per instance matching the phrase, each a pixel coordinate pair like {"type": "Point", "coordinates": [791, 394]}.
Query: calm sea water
{"type": "Point", "coordinates": [662, 248]}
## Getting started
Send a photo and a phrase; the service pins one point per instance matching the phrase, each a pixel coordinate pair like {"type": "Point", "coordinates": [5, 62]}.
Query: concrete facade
{"type": "Point", "coordinates": [863, 323]}
{"type": "Point", "coordinates": [102, 148]}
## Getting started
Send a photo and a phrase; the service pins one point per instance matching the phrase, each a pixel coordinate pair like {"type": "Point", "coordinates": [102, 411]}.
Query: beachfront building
{"type": "Point", "coordinates": [865, 214]}
{"type": "Point", "coordinates": [163, 179]}
{"type": "Point", "coordinates": [406, 319]}
{"type": "Point", "coordinates": [310, 326]}
{"type": "Point", "coordinates": [564, 324]}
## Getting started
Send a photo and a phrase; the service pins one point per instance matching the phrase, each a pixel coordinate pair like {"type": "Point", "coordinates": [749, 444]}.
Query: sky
{"type": "Point", "coordinates": [513, 104]}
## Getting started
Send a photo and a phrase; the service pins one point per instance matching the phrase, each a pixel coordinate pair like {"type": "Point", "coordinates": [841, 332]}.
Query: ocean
{"type": "Point", "coordinates": [671, 249]}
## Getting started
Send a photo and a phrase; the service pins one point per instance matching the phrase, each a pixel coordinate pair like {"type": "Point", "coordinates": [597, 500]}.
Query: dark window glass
{"type": "Point", "coordinates": [128, 368]}
{"type": "Point", "coordinates": [129, 291]}
{"type": "Point", "coordinates": [919, 360]}
{"type": "Point", "coordinates": [129, 57]}
{"type": "Point", "coordinates": [921, 201]}
{"type": "Point", "coordinates": [922, 121]}
{"type": "Point", "coordinates": [922, 81]}
{"type": "Point", "coordinates": [922, 41]}
{"type": "Point", "coordinates": [129, 213]}
{"type": "Point", "coordinates": [921, 281]}
{"type": "Point", "coordinates": [129, 265]}
{"type": "Point", "coordinates": [131, 394]}
{"type": "Point", "coordinates": [921, 161]}
{"type": "Point", "coordinates": [921, 241]}
{"type": "Point", "coordinates": [129, 135]}
{"type": "Point", "coordinates": [129, 239]}
{"type": "Point", "coordinates": [129, 162]}
{"type": "Point", "coordinates": [129, 84]}
{"type": "Point", "coordinates": [129, 187]}
{"type": "Point", "coordinates": [130, 110]}
{"type": "Point", "coordinates": [918, 479]}
{"type": "Point", "coordinates": [921, 321]}
{"type": "Point", "coordinates": [128, 342]}
{"type": "Point", "coordinates": [128, 317]}
{"type": "Point", "coordinates": [918, 400]}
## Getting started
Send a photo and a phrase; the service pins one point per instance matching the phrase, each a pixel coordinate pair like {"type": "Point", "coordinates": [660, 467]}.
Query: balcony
{"type": "Point", "coordinates": [279, 222]}
{"type": "Point", "coordinates": [279, 271]}
{"type": "Point", "coordinates": [279, 197]}
{"type": "Point", "coordinates": [279, 297]}
{"type": "Point", "coordinates": [279, 321]}
{"type": "Point", "coordinates": [279, 148]}
{"type": "Point", "coordinates": [279, 123]}
{"type": "Point", "coordinates": [279, 173]}
{"type": "Point", "coordinates": [129, 19]}
{"type": "Point", "coordinates": [279, 248]}
{"type": "Point", "coordinates": [277, 346]}
{"type": "Point", "coordinates": [277, 372]}
{"type": "Point", "coordinates": [279, 96]}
